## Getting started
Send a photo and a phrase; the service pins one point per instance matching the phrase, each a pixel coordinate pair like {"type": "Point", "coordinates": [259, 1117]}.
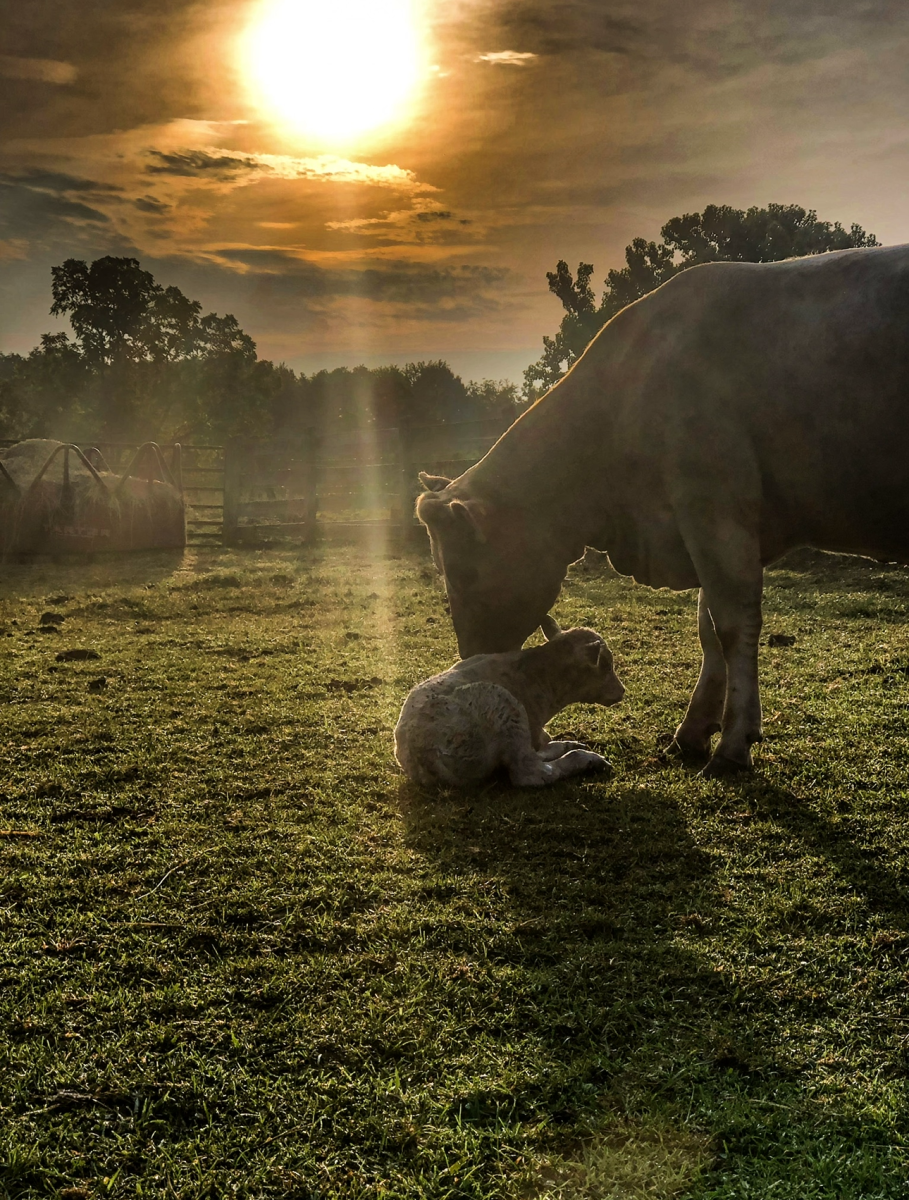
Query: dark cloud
{"type": "Point", "coordinates": [428, 217]}
{"type": "Point", "coordinates": [57, 181]}
{"type": "Point", "coordinates": [201, 164]}
{"type": "Point", "coordinates": [401, 283]}
{"type": "Point", "coordinates": [29, 212]}
{"type": "Point", "coordinates": [148, 204]}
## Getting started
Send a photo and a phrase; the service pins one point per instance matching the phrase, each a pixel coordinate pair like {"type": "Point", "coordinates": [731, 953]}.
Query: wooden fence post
{"type": "Point", "coordinates": [176, 467]}
{"type": "Point", "coordinates": [406, 480]}
{"type": "Point", "coordinates": [311, 454]}
{"type": "Point", "coordinates": [233, 477]}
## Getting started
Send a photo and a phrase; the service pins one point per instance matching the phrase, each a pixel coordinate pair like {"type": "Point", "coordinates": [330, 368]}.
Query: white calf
{"type": "Point", "coordinates": [489, 711]}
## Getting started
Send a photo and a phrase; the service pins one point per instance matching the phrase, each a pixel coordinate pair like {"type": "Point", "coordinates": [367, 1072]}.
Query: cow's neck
{"type": "Point", "coordinates": [536, 465]}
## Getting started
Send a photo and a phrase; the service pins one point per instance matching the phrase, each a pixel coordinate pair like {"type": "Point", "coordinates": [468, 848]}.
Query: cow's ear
{"type": "Point", "coordinates": [431, 510]}
{"type": "Point", "coordinates": [470, 515]}
{"type": "Point", "coordinates": [433, 483]}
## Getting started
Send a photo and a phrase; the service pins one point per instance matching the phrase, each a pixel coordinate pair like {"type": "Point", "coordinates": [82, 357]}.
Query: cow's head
{"type": "Point", "coordinates": [501, 575]}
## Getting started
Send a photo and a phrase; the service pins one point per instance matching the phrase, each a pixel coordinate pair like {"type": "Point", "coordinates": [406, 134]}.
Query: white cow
{"type": "Point", "coordinates": [489, 711]}
{"type": "Point", "coordinates": [737, 412]}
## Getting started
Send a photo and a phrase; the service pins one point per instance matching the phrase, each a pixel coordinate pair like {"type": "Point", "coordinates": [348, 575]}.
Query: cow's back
{"type": "Point", "coordinates": [794, 375]}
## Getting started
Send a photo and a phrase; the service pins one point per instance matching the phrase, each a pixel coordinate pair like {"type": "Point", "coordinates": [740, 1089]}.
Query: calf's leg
{"type": "Point", "coordinates": [705, 711]}
{"type": "Point", "coordinates": [553, 750]}
{"type": "Point", "coordinates": [530, 770]}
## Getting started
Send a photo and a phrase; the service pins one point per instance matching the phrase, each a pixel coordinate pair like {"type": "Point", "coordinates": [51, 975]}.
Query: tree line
{"type": "Point", "coordinates": [143, 362]}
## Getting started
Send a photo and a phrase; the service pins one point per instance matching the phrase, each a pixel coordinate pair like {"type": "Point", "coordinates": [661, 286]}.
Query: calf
{"type": "Point", "coordinates": [489, 711]}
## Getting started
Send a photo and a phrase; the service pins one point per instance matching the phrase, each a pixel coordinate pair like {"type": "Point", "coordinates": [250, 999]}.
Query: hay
{"type": "Point", "coordinates": [92, 513]}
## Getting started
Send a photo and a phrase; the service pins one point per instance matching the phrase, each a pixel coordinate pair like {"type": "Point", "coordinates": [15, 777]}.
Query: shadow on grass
{"type": "Point", "coordinates": [601, 895]}
{"type": "Point", "coordinates": [884, 890]}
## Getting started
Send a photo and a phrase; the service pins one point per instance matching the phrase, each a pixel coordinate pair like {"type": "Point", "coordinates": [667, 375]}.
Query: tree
{"type": "Point", "coordinates": [44, 390]}
{"type": "Point", "coordinates": [145, 363]}
{"type": "Point", "coordinates": [154, 360]}
{"type": "Point", "coordinates": [436, 393]}
{"type": "Point", "coordinates": [718, 234]}
{"type": "Point", "coordinates": [120, 314]}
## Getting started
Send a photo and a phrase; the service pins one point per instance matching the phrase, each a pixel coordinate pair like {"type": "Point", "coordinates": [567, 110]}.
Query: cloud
{"type": "Point", "coordinates": [594, 123]}
{"type": "Point", "coordinates": [236, 167]}
{"type": "Point", "coordinates": [39, 180]}
{"type": "Point", "coordinates": [13, 249]}
{"type": "Point", "coordinates": [507, 58]}
{"type": "Point", "coordinates": [38, 200]}
{"type": "Point", "coordinates": [403, 226]}
{"type": "Point", "coordinates": [41, 70]}
{"type": "Point", "coordinates": [429, 292]}
{"type": "Point", "coordinates": [200, 164]}
{"type": "Point", "coordinates": [37, 211]}
{"type": "Point", "coordinates": [149, 204]}
{"type": "Point", "coordinates": [714, 37]}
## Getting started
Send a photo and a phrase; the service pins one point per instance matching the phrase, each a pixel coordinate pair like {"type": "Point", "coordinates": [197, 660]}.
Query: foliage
{"type": "Point", "coordinates": [718, 234]}
{"type": "Point", "coordinates": [242, 957]}
{"type": "Point", "coordinates": [145, 363]}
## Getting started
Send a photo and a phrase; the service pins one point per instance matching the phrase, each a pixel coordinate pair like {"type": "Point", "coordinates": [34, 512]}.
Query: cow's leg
{"type": "Point", "coordinates": [726, 556]}
{"type": "Point", "coordinates": [705, 711]}
{"type": "Point", "coordinates": [735, 605]}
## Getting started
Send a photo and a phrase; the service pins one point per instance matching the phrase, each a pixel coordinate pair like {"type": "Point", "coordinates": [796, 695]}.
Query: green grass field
{"type": "Point", "coordinates": [242, 957]}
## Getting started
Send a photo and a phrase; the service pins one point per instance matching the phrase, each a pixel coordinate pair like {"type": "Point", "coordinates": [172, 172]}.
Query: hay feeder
{"type": "Point", "coordinates": [58, 499]}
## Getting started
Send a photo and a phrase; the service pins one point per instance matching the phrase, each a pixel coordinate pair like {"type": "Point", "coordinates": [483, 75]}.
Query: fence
{"type": "Point", "coordinates": [341, 485]}
{"type": "Point", "coordinates": [315, 485]}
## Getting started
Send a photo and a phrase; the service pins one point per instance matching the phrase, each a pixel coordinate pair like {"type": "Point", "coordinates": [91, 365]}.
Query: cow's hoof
{"type": "Point", "coordinates": [688, 752]}
{"type": "Point", "coordinates": [720, 767]}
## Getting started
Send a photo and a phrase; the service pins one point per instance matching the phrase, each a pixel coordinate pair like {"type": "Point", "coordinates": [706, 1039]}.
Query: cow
{"type": "Point", "coordinates": [739, 411]}
{"type": "Point", "coordinates": [490, 711]}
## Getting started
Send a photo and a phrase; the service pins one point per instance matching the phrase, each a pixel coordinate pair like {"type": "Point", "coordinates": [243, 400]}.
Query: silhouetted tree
{"type": "Point", "coordinates": [44, 390]}
{"type": "Point", "coordinates": [437, 395]}
{"type": "Point", "coordinates": [718, 234]}
{"type": "Point", "coordinates": [145, 363]}
{"type": "Point", "coordinates": [120, 314]}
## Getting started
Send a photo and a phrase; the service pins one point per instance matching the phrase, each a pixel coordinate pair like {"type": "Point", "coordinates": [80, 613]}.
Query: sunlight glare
{"type": "Point", "coordinates": [335, 69]}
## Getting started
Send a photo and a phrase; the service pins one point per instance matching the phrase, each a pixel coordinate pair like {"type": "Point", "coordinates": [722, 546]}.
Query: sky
{"type": "Point", "coordinates": [395, 185]}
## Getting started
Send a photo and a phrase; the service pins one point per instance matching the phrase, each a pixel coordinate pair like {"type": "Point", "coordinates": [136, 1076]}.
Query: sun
{"type": "Point", "coordinates": [335, 69]}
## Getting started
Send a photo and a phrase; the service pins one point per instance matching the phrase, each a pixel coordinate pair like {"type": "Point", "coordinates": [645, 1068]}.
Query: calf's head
{"type": "Point", "coordinates": [501, 575]}
{"type": "Point", "coordinates": [579, 664]}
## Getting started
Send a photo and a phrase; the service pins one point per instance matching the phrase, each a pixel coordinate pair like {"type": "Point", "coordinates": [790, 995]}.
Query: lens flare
{"type": "Point", "coordinates": [335, 69]}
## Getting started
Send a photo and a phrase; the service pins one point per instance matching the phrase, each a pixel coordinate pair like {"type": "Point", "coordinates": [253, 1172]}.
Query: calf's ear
{"type": "Point", "coordinates": [590, 652]}
{"type": "Point", "coordinates": [433, 483]}
{"type": "Point", "coordinates": [550, 627]}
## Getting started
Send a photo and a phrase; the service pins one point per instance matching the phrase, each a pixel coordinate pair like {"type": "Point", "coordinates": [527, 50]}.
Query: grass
{"type": "Point", "coordinates": [241, 956]}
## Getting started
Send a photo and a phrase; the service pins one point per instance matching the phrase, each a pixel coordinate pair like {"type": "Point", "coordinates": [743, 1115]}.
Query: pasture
{"type": "Point", "coordinates": [242, 957]}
